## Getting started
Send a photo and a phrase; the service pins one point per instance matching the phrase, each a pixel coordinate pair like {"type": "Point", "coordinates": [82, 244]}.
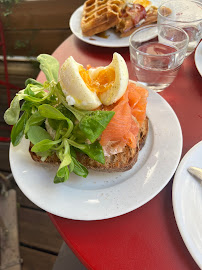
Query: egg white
{"type": "Point", "coordinates": [75, 88]}
{"type": "Point", "coordinates": [80, 95]}
{"type": "Point", "coordinates": [118, 88]}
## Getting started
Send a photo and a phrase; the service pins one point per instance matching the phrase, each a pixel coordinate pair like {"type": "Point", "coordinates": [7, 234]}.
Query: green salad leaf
{"type": "Point", "coordinates": [36, 134]}
{"type": "Point", "coordinates": [44, 145]}
{"type": "Point", "coordinates": [93, 150]}
{"type": "Point", "coordinates": [35, 120]}
{"type": "Point", "coordinates": [48, 111]}
{"type": "Point", "coordinates": [11, 115]}
{"type": "Point", "coordinates": [50, 66]}
{"type": "Point", "coordinates": [33, 82]}
{"type": "Point", "coordinates": [62, 175]}
{"type": "Point", "coordinates": [79, 169]}
{"type": "Point", "coordinates": [18, 129]}
{"type": "Point", "coordinates": [93, 124]}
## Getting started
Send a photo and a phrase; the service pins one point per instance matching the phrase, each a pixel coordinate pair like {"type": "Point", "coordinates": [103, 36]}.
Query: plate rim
{"type": "Point", "coordinates": [131, 208]}
{"type": "Point", "coordinates": [198, 56]}
{"type": "Point", "coordinates": [179, 171]}
{"type": "Point", "coordinates": [109, 44]}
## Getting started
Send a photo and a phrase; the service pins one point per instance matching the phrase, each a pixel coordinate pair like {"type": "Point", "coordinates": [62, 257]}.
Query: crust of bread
{"type": "Point", "coordinates": [115, 163]}
{"type": "Point", "coordinates": [51, 159]}
{"type": "Point", "coordinates": [143, 133]}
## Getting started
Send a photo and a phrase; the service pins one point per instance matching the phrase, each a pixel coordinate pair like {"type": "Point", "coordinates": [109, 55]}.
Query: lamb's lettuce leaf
{"type": "Point", "coordinates": [93, 150]}
{"type": "Point", "coordinates": [62, 174]}
{"type": "Point", "coordinates": [18, 129]}
{"type": "Point", "coordinates": [79, 169]}
{"type": "Point", "coordinates": [44, 145]}
{"type": "Point", "coordinates": [33, 82]}
{"type": "Point", "coordinates": [35, 120]}
{"type": "Point", "coordinates": [50, 66]}
{"type": "Point", "coordinates": [36, 134]}
{"type": "Point", "coordinates": [12, 114]}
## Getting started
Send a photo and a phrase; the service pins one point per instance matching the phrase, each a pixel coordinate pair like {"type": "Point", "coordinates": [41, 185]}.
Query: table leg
{"type": "Point", "coordinates": [66, 260]}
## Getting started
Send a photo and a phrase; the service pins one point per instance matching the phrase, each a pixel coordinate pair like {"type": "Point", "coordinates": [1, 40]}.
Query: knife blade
{"type": "Point", "coordinates": [197, 172]}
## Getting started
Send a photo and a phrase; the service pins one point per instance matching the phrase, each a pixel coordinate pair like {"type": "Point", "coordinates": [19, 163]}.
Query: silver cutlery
{"type": "Point", "coordinates": [197, 172]}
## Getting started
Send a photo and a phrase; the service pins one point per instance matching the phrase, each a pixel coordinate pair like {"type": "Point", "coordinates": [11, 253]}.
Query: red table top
{"type": "Point", "coordinates": [148, 237]}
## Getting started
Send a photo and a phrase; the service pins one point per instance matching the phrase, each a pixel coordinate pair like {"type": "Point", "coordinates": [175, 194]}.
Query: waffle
{"type": "Point", "coordinates": [100, 15]}
{"type": "Point", "coordinates": [130, 16]}
{"type": "Point", "coordinates": [127, 26]}
{"type": "Point", "coordinates": [151, 17]}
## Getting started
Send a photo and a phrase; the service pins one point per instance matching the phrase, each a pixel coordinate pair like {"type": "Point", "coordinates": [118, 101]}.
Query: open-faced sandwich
{"type": "Point", "coordinates": [81, 118]}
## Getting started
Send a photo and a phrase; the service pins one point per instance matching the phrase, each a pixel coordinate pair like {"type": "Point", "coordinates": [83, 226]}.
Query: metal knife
{"type": "Point", "coordinates": [197, 172]}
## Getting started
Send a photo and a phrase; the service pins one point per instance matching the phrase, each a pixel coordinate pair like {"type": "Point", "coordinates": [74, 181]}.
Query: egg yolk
{"type": "Point", "coordinates": [144, 3]}
{"type": "Point", "coordinates": [102, 82]}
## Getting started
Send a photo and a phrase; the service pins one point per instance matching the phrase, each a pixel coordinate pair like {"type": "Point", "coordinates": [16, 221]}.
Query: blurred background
{"type": "Point", "coordinates": [30, 27]}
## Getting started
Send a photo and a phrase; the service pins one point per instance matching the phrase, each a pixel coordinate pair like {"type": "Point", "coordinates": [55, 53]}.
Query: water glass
{"type": "Point", "coordinates": [186, 14]}
{"type": "Point", "coordinates": [156, 54]}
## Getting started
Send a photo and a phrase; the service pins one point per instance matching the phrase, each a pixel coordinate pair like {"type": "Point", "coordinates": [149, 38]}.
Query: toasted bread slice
{"type": "Point", "coordinates": [143, 133]}
{"type": "Point", "coordinates": [51, 159]}
{"type": "Point", "coordinates": [115, 163]}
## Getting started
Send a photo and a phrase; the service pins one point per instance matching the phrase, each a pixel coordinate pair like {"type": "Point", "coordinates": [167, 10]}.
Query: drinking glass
{"type": "Point", "coordinates": [156, 54]}
{"type": "Point", "coordinates": [186, 14]}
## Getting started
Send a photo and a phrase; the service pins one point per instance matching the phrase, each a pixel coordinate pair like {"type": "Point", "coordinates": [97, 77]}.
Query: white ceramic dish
{"type": "Point", "coordinates": [113, 39]}
{"type": "Point", "coordinates": [106, 195]}
{"type": "Point", "coordinates": [187, 203]}
{"type": "Point", "coordinates": [198, 58]}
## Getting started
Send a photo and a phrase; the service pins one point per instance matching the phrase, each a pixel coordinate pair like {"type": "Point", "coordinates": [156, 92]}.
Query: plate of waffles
{"type": "Point", "coordinates": [109, 23]}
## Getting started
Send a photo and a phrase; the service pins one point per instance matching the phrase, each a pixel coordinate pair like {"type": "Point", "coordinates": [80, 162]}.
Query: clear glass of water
{"type": "Point", "coordinates": [156, 54]}
{"type": "Point", "coordinates": [186, 14]}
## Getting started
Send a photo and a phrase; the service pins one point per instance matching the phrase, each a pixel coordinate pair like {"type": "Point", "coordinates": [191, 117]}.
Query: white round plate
{"type": "Point", "coordinates": [198, 58]}
{"type": "Point", "coordinates": [105, 195]}
{"type": "Point", "coordinates": [187, 203]}
{"type": "Point", "coordinates": [112, 39]}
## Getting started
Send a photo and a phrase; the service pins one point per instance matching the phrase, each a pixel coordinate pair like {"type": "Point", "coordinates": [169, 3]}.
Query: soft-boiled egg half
{"type": "Point", "coordinates": [88, 89]}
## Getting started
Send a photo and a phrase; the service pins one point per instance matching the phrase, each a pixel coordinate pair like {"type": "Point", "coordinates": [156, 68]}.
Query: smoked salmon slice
{"type": "Point", "coordinates": [130, 113]}
{"type": "Point", "coordinates": [120, 124]}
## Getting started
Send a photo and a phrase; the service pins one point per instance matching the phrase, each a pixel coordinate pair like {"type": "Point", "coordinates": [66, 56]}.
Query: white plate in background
{"type": "Point", "coordinates": [187, 202]}
{"type": "Point", "coordinates": [105, 195]}
{"type": "Point", "coordinates": [198, 58]}
{"type": "Point", "coordinates": [113, 39]}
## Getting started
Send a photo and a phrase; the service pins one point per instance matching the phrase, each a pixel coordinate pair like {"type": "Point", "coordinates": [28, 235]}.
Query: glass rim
{"type": "Point", "coordinates": [178, 21]}
{"type": "Point", "coordinates": [162, 55]}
